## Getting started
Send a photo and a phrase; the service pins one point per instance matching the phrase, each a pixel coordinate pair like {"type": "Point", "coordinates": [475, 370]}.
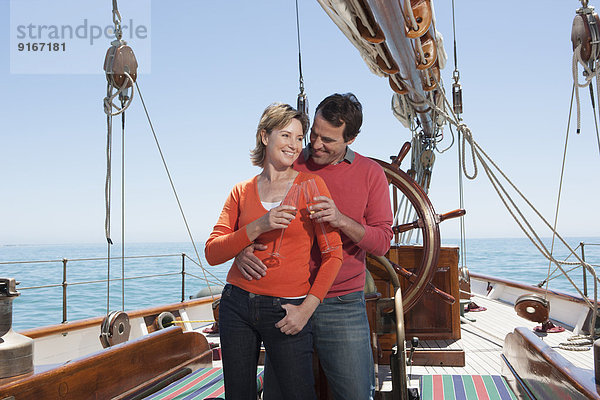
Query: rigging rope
{"type": "Point", "coordinates": [463, 239]}
{"type": "Point", "coordinates": [107, 184]}
{"type": "Point", "coordinates": [521, 220]}
{"type": "Point", "coordinates": [107, 198]}
{"type": "Point", "coordinates": [110, 96]}
{"type": "Point", "coordinates": [122, 93]}
{"type": "Point", "coordinates": [173, 188]}
{"type": "Point", "coordinates": [454, 37]}
{"type": "Point", "coordinates": [479, 154]}
{"type": "Point", "coordinates": [594, 105]}
{"type": "Point", "coordinates": [301, 78]}
{"type": "Point", "coordinates": [441, 121]}
{"type": "Point", "coordinates": [495, 174]}
{"type": "Point", "coordinates": [411, 15]}
{"type": "Point", "coordinates": [596, 119]}
{"type": "Point", "coordinates": [562, 173]}
{"type": "Point", "coordinates": [108, 107]}
{"type": "Point", "coordinates": [123, 100]}
{"type": "Point", "coordinates": [587, 73]}
{"type": "Point", "coordinates": [125, 76]}
{"type": "Point", "coordinates": [457, 107]}
{"type": "Point", "coordinates": [302, 100]}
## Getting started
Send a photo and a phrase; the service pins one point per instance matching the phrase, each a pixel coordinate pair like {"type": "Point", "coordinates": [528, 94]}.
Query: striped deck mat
{"type": "Point", "coordinates": [465, 387]}
{"type": "Point", "coordinates": [205, 383]}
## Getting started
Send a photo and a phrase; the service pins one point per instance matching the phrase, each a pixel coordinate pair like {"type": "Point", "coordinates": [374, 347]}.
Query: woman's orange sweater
{"type": "Point", "coordinates": [290, 278]}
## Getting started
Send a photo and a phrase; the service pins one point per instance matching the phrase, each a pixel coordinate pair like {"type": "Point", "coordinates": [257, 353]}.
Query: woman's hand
{"type": "Point", "coordinates": [297, 316]}
{"type": "Point", "coordinates": [277, 218]}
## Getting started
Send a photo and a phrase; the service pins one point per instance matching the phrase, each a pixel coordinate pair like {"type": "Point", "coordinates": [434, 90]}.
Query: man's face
{"type": "Point", "coordinates": [327, 142]}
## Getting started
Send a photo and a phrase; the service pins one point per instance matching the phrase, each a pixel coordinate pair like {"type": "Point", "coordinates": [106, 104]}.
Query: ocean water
{"type": "Point", "coordinates": [513, 259]}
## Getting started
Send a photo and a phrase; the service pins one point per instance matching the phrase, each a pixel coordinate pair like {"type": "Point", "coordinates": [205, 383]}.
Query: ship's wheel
{"type": "Point", "coordinates": [419, 278]}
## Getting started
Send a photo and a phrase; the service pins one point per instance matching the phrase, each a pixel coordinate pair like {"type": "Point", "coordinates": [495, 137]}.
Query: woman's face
{"type": "Point", "coordinates": [283, 145]}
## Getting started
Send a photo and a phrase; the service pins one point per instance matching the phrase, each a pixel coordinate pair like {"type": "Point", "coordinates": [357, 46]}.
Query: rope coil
{"type": "Point", "coordinates": [121, 92]}
{"type": "Point", "coordinates": [588, 74]}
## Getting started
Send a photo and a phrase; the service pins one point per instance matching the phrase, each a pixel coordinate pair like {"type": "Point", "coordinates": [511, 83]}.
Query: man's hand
{"type": "Point", "coordinates": [297, 316]}
{"type": "Point", "coordinates": [327, 211]}
{"type": "Point", "coordinates": [249, 265]}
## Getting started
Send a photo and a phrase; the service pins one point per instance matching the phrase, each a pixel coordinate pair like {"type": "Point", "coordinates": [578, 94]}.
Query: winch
{"type": "Point", "coordinates": [16, 350]}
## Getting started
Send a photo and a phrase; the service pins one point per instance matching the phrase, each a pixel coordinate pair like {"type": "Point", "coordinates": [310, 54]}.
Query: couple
{"type": "Point", "coordinates": [275, 305]}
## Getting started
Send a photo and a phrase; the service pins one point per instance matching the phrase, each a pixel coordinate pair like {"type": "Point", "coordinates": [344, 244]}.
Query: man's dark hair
{"type": "Point", "coordinates": [342, 108]}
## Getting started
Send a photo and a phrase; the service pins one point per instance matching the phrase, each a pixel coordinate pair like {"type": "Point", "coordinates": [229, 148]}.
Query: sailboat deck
{"type": "Point", "coordinates": [482, 341]}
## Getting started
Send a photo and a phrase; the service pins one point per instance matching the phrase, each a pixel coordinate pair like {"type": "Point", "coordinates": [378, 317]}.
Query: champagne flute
{"type": "Point", "coordinates": [291, 199]}
{"type": "Point", "coordinates": [310, 192]}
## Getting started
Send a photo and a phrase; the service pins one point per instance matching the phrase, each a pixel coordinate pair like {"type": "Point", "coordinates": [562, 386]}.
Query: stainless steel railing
{"type": "Point", "coordinates": [65, 283]}
{"type": "Point", "coordinates": [582, 245]}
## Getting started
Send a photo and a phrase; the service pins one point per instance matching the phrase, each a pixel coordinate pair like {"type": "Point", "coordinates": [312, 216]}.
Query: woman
{"type": "Point", "coordinates": [275, 309]}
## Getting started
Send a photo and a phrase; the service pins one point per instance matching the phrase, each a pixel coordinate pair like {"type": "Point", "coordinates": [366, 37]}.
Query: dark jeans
{"type": "Point", "coordinates": [342, 340]}
{"type": "Point", "coordinates": [246, 319]}
{"type": "Point", "coordinates": [341, 337]}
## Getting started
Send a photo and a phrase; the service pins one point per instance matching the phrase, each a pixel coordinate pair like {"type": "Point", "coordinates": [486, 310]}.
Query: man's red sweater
{"type": "Point", "coordinates": [360, 191]}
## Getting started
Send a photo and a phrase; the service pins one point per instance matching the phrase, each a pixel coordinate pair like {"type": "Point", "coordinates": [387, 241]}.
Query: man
{"type": "Point", "coordinates": [361, 210]}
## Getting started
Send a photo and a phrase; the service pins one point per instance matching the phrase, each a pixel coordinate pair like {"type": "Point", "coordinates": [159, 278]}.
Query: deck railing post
{"type": "Point", "coordinates": [64, 290]}
{"type": "Point", "coordinates": [182, 277]}
{"type": "Point", "coordinates": [582, 244]}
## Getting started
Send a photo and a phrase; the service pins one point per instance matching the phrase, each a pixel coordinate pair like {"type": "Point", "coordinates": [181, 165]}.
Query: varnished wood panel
{"type": "Point", "coordinates": [120, 369]}
{"type": "Point", "coordinates": [423, 355]}
{"type": "Point", "coordinates": [431, 358]}
{"type": "Point", "coordinates": [431, 318]}
{"type": "Point", "coordinates": [543, 371]}
{"type": "Point", "coordinates": [440, 358]}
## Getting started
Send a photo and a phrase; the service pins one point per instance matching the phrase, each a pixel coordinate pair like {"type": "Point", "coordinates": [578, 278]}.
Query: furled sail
{"type": "Point", "coordinates": [398, 40]}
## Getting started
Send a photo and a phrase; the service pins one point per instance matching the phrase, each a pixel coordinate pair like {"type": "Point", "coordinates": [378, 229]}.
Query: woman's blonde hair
{"type": "Point", "coordinates": [275, 116]}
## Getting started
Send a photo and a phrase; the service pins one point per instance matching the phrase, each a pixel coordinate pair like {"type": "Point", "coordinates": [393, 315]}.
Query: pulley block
{"type": "Point", "coordinates": [118, 61]}
{"type": "Point", "coordinates": [115, 329]}
{"type": "Point", "coordinates": [302, 103]}
{"type": "Point", "coordinates": [423, 13]}
{"type": "Point", "coordinates": [533, 308]}
{"type": "Point", "coordinates": [586, 31]}
{"type": "Point", "coordinates": [457, 103]}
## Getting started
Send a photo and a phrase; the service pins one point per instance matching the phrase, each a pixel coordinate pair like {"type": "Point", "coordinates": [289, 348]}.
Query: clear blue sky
{"type": "Point", "coordinates": [216, 65]}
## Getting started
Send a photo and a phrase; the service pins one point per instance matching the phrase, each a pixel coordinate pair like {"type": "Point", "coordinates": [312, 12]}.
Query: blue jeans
{"type": "Point", "coordinates": [342, 340]}
{"type": "Point", "coordinates": [246, 319]}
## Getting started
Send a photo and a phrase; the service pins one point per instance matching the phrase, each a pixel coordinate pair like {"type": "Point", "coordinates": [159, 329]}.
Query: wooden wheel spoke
{"type": "Point", "coordinates": [450, 215]}
{"type": "Point", "coordinates": [407, 227]}
{"type": "Point", "coordinates": [403, 152]}
{"type": "Point", "coordinates": [446, 297]}
{"type": "Point", "coordinates": [412, 278]}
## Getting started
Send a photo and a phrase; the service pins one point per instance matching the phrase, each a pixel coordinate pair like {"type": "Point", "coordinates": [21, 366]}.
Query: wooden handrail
{"type": "Point", "coordinates": [541, 369]}
{"type": "Point", "coordinates": [90, 322]}
{"type": "Point", "coordinates": [529, 288]}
